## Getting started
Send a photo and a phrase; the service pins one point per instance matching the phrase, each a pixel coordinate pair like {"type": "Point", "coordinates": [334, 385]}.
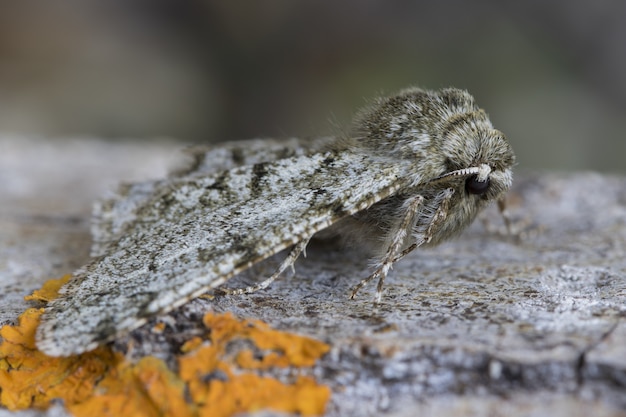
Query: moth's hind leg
{"type": "Point", "coordinates": [393, 253]}
{"type": "Point", "coordinates": [295, 252]}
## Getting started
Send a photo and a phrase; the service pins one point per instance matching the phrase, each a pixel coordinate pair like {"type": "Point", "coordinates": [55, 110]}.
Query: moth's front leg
{"type": "Point", "coordinates": [516, 229]}
{"type": "Point", "coordinates": [411, 214]}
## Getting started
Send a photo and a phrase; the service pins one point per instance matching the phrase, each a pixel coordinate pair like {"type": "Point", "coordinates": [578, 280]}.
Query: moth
{"type": "Point", "coordinates": [414, 169]}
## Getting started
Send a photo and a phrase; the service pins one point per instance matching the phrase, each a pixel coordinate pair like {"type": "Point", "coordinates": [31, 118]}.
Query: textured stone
{"type": "Point", "coordinates": [482, 325]}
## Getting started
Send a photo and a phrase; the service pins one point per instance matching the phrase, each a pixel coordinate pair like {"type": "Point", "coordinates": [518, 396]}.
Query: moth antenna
{"type": "Point", "coordinates": [482, 171]}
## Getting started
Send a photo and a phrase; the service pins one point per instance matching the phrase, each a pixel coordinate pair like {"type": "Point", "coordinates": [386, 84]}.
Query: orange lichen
{"type": "Point", "coordinates": [209, 370]}
{"type": "Point", "coordinates": [29, 378]}
{"type": "Point", "coordinates": [214, 379]}
{"type": "Point", "coordinates": [49, 290]}
{"type": "Point", "coordinates": [250, 392]}
{"type": "Point", "coordinates": [158, 328]}
{"type": "Point", "coordinates": [147, 388]}
{"type": "Point", "coordinates": [288, 349]}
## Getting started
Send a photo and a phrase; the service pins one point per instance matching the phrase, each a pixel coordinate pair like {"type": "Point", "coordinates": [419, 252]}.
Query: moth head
{"type": "Point", "coordinates": [474, 152]}
{"type": "Point", "coordinates": [444, 134]}
{"type": "Point", "coordinates": [420, 124]}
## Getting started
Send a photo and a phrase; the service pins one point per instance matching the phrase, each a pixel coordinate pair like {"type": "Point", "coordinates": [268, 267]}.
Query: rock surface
{"type": "Point", "coordinates": [483, 325]}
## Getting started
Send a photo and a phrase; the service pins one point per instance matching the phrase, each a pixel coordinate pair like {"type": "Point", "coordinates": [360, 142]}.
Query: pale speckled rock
{"type": "Point", "coordinates": [481, 325]}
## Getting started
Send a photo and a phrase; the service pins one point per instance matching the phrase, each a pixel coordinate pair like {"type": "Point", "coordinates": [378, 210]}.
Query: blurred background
{"type": "Point", "coordinates": [552, 75]}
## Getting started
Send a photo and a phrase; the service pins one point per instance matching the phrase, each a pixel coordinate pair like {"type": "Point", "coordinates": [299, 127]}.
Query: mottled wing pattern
{"type": "Point", "coordinates": [210, 159]}
{"type": "Point", "coordinates": [113, 213]}
{"type": "Point", "coordinates": [199, 231]}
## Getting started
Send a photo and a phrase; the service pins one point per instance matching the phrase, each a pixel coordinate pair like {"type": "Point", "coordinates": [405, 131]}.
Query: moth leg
{"type": "Point", "coordinates": [295, 252]}
{"type": "Point", "coordinates": [440, 215]}
{"type": "Point", "coordinates": [505, 216]}
{"type": "Point", "coordinates": [405, 252]}
{"type": "Point", "coordinates": [521, 229]}
{"type": "Point", "coordinates": [392, 255]}
{"type": "Point", "coordinates": [397, 240]}
{"type": "Point", "coordinates": [518, 230]}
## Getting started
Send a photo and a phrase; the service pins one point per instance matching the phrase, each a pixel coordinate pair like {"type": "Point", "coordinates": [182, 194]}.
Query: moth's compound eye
{"type": "Point", "coordinates": [473, 186]}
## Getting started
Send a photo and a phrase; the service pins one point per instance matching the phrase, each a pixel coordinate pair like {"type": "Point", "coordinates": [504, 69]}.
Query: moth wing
{"type": "Point", "coordinates": [203, 231]}
{"type": "Point", "coordinates": [112, 214]}
{"type": "Point", "coordinates": [210, 159]}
